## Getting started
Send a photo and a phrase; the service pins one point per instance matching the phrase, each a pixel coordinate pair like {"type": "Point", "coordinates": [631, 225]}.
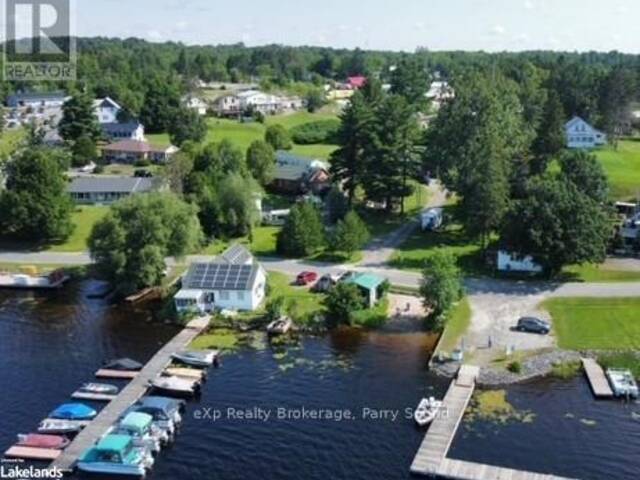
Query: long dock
{"type": "Point", "coordinates": [597, 379]}
{"type": "Point", "coordinates": [128, 396]}
{"type": "Point", "coordinates": [431, 458]}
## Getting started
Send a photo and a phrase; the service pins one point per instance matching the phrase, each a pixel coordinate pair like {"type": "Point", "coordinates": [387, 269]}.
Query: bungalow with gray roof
{"type": "Point", "coordinates": [105, 190]}
{"type": "Point", "coordinates": [296, 174]}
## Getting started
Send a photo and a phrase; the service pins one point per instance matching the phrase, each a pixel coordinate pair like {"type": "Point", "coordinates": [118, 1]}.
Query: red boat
{"type": "Point", "coordinates": [36, 440]}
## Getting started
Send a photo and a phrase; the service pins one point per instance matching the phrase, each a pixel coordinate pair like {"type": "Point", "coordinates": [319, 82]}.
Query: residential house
{"type": "Point", "coordinates": [227, 106]}
{"type": "Point", "coordinates": [196, 104]}
{"type": "Point", "coordinates": [124, 131]}
{"type": "Point", "coordinates": [581, 134]}
{"type": "Point", "coordinates": [356, 82]}
{"type": "Point", "coordinates": [106, 189]}
{"type": "Point", "coordinates": [264, 103]}
{"type": "Point", "coordinates": [295, 174]}
{"type": "Point", "coordinates": [106, 110]}
{"type": "Point", "coordinates": [372, 286]}
{"type": "Point", "coordinates": [36, 100]}
{"type": "Point", "coordinates": [135, 151]}
{"type": "Point", "coordinates": [232, 281]}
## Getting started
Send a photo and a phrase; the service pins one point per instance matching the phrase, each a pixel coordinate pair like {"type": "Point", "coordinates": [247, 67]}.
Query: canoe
{"type": "Point", "coordinates": [36, 440]}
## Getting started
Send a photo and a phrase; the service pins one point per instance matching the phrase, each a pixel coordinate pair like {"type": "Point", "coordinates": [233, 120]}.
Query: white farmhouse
{"type": "Point", "coordinates": [106, 110]}
{"type": "Point", "coordinates": [232, 281]}
{"type": "Point", "coordinates": [582, 135]}
{"type": "Point", "coordinates": [262, 102]}
{"type": "Point", "coordinates": [196, 104]}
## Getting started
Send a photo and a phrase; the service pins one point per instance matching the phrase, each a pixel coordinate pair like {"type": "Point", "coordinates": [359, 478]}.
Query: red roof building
{"type": "Point", "coordinates": [356, 82]}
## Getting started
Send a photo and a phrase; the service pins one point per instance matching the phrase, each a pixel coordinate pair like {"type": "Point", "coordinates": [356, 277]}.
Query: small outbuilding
{"type": "Point", "coordinates": [511, 262]}
{"type": "Point", "coordinates": [371, 285]}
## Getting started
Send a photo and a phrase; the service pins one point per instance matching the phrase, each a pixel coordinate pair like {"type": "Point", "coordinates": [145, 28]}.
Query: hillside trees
{"type": "Point", "coordinates": [261, 162]}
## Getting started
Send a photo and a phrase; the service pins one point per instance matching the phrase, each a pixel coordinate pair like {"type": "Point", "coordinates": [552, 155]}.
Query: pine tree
{"type": "Point", "coordinates": [79, 120]}
{"type": "Point", "coordinates": [303, 233]}
{"type": "Point", "coordinates": [350, 234]}
{"type": "Point", "coordinates": [550, 138]}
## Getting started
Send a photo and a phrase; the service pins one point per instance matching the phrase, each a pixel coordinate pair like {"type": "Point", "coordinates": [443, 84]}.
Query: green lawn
{"type": "Point", "coordinates": [596, 323]}
{"type": "Point", "coordinates": [302, 304]}
{"type": "Point", "coordinates": [595, 273]}
{"type": "Point", "coordinates": [9, 140]}
{"type": "Point", "coordinates": [243, 134]}
{"type": "Point", "coordinates": [457, 324]}
{"type": "Point", "coordinates": [264, 242]}
{"type": "Point", "coordinates": [83, 218]}
{"type": "Point", "coordinates": [623, 168]}
{"type": "Point", "coordinates": [421, 245]}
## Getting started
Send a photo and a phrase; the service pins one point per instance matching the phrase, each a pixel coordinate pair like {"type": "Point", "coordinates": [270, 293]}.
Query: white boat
{"type": "Point", "coordinates": [176, 385]}
{"type": "Point", "coordinates": [29, 282]}
{"type": "Point", "coordinates": [139, 426]}
{"type": "Point", "coordinates": [427, 410]}
{"type": "Point", "coordinates": [101, 388]}
{"type": "Point", "coordinates": [279, 327]}
{"type": "Point", "coordinates": [622, 382]}
{"type": "Point", "coordinates": [196, 358]}
{"type": "Point", "coordinates": [52, 426]}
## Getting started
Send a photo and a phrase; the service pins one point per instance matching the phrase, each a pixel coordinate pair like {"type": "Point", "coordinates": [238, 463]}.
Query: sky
{"type": "Point", "coordinates": [491, 25]}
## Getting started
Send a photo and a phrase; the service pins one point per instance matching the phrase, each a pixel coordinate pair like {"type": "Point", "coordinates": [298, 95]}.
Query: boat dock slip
{"type": "Point", "coordinates": [116, 374]}
{"type": "Point", "coordinates": [431, 458]}
{"type": "Point", "coordinates": [30, 453]}
{"type": "Point", "coordinates": [128, 396]}
{"type": "Point", "coordinates": [96, 397]}
{"type": "Point", "coordinates": [597, 378]}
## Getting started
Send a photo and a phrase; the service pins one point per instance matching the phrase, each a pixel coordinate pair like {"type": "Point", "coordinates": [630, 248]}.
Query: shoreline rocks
{"type": "Point", "coordinates": [532, 367]}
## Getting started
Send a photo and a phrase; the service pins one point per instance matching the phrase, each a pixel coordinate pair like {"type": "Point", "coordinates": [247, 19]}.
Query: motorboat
{"type": "Point", "coordinates": [279, 327]}
{"type": "Point", "coordinates": [176, 386]}
{"type": "Point", "coordinates": [99, 388]}
{"type": "Point", "coordinates": [37, 440]}
{"type": "Point", "coordinates": [622, 383]}
{"type": "Point", "coordinates": [191, 373]}
{"type": "Point", "coordinates": [73, 411]}
{"type": "Point", "coordinates": [26, 281]}
{"type": "Point", "coordinates": [165, 412]}
{"type": "Point", "coordinates": [53, 426]}
{"type": "Point", "coordinates": [123, 365]}
{"type": "Point", "coordinates": [140, 427]}
{"type": "Point", "coordinates": [427, 410]}
{"type": "Point", "coordinates": [116, 455]}
{"type": "Point", "coordinates": [195, 358]}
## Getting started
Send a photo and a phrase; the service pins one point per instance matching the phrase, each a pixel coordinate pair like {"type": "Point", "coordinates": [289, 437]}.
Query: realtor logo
{"type": "Point", "coordinates": [40, 44]}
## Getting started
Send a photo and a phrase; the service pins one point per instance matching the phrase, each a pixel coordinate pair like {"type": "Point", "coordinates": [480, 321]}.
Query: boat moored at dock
{"type": "Point", "coordinates": [73, 411]}
{"type": "Point", "coordinates": [37, 440]}
{"type": "Point", "coordinates": [622, 383]}
{"type": "Point", "coordinates": [140, 427]}
{"type": "Point", "coordinates": [57, 426]}
{"type": "Point", "coordinates": [199, 359]}
{"type": "Point", "coordinates": [427, 410]}
{"type": "Point", "coordinates": [23, 281]}
{"type": "Point", "coordinates": [176, 386]}
{"type": "Point", "coordinates": [116, 455]}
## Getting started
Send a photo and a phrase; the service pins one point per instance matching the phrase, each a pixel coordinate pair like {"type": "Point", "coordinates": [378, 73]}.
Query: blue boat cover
{"type": "Point", "coordinates": [73, 411]}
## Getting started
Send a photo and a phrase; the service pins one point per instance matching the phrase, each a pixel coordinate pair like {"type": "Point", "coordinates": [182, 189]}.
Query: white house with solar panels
{"type": "Point", "coordinates": [232, 281]}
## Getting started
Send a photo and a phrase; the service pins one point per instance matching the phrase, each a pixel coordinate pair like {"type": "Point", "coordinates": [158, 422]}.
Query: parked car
{"type": "Point", "coordinates": [326, 283]}
{"type": "Point", "coordinates": [346, 276]}
{"type": "Point", "coordinates": [306, 278]}
{"type": "Point", "coordinates": [533, 325]}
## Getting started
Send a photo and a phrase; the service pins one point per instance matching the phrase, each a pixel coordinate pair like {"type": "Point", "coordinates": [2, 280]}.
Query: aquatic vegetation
{"type": "Point", "coordinates": [493, 406]}
{"type": "Point", "coordinates": [566, 370]}
{"type": "Point", "coordinates": [515, 367]}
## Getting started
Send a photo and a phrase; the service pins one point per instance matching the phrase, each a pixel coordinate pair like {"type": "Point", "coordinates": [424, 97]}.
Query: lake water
{"type": "Point", "coordinates": [51, 344]}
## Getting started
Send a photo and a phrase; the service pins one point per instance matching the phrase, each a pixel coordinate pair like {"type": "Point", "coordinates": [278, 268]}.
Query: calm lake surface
{"type": "Point", "coordinates": [49, 345]}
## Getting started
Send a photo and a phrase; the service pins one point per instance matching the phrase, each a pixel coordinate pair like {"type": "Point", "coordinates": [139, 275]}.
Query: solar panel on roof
{"type": "Point", "coordinates": [220, 276]}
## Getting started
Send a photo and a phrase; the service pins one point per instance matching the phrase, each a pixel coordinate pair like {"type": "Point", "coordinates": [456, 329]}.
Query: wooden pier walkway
{"type": "Point", "coordinates": [431, 458]}
{"type": "Point", "coordinates": [128, 396]}
{"type": "Point", "coordinates": [597, 379]}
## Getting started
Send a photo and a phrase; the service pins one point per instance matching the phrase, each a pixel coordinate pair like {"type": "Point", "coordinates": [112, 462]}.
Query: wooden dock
{"type": "Point", "coordinates": [30, 453]}
{"type": "Point", "coordinates": [597, 379]}
{"type": "Point", "coordinates": [431, 458]}
{"type": "Point", "coordinates": [128, 396]}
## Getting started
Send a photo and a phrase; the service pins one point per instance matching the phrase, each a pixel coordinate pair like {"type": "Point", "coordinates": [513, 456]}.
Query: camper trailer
{"type": "Point", "coordinates": [432, 219]}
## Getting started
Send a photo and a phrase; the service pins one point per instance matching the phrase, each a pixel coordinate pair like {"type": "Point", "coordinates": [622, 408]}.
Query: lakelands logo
{"type": "Point", "coordinates": [40, 44]}
{"type": "Point", "coordinates": [28, 473]}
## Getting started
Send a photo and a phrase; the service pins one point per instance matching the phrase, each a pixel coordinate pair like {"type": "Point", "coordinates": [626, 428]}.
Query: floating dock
{"type": "Point", "coordinates": [431, 458]}
{"type": "Point", "coordinates": [597, 379]}
{"type": "Point", "coordinates": [95, 397]}
{"type": "Point", "coordinates": [116, 374]}
{"type": "Point", "coordinates": [30, 453]}
{"type": "Point", "coordinates": [129, 395]}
